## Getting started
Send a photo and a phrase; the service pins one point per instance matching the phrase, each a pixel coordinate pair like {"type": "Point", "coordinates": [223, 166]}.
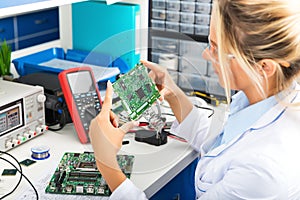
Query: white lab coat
{"type": "Point", "coordinates": [261, 163]}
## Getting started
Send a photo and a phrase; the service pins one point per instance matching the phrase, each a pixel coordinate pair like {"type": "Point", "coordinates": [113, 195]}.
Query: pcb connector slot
{"type": "Point", "coordinates": [81, 174]}
{"type": "Point", "coordinates": [82, 179]}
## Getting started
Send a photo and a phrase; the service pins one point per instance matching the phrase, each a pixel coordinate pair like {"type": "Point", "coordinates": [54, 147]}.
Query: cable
{"type": "Point", "coordinates": [16, 168]}
{"type": "Point", "coordinates": [207, 97]}
{"type": "Point", "coordinates": [6, 195]}
{"type": "Point", "coordinates": [206, 108]}
{"type": "Point", "coordinates": [21, 172]}
{"type": "Point", "coordinates": [201, 107]}
{"type": "Point", "coordinates": [171, 114]}
{"type": "Point", "coordinates": [62, 121]}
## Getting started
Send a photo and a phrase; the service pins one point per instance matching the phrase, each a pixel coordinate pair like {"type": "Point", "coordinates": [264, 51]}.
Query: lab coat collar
{"type": "Point", "coordinates": [263, 122]}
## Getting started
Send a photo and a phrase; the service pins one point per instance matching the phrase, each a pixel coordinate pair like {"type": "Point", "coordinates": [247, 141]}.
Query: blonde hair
{"type": "Point", "coordinates": [253, 30]}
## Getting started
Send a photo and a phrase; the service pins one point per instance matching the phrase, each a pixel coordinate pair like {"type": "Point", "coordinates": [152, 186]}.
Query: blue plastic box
{"type": "Point", "coordinates": [31, 63]}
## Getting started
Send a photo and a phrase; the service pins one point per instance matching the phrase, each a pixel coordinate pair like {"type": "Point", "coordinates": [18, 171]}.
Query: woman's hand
{"type": "Point", "coordinates": [162, 79]}
{"type": "Point", "coordinates": [106, 138]}
{"type": "Point", "coordinates": [180, 104]}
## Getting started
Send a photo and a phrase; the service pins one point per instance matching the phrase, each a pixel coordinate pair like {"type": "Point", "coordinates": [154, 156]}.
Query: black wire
{"type": "Point", "coordinates": [20, 179]}
{"type": "Point", "coordinates": [171, 114]}
{"type": "Point", "coordinates": [206, 108]}
{"type": "Point", "coordinates": [61, 123]}
{"type": "Point", "coordinates": [20, 171]}
{"type": "Point", "coordinates": [201, 107]}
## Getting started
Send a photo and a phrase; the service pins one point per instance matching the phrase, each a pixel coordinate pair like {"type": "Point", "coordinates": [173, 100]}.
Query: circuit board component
{"type": "Point", "coordinates": [77, 174]}
{"type": "Point", "coordinates": [136, 91]}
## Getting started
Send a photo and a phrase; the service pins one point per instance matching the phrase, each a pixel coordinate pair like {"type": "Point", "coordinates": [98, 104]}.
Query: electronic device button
{"type": "Point", "coordinates": [41, 129]}
{"type": "Point", "coordinates": [9, 144]}
{"type": "Point", "coordinates": [27, 135]}
{"type": "Point", "coordinates": [41, 98]}
{"type": "Point", "coordinates": [32, 133]}
{"type": "Point", "coordinates": [16, 142]}
{"type": "Point", "coordinates": [45, 127]}
{"type": "Point", "coordinates": [21, 138]}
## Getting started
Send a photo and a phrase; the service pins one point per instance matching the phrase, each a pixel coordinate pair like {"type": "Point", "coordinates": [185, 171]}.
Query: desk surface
{"type": "Point", "coordinates": [153, 166]}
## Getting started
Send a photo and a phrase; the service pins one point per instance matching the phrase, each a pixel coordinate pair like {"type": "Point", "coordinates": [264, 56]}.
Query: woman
{"type": "Point", "coordinates": [254, 48]}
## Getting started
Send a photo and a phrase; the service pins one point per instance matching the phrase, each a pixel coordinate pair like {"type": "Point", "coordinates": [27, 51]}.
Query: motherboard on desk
{"type": "Point", "coordinates": [77, 174]}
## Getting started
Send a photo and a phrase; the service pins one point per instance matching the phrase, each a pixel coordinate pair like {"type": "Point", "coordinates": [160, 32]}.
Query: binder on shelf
{"type": "Point", "coordinates": [110, 29]}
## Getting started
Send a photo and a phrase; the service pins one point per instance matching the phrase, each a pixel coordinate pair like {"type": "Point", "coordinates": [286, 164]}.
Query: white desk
{"type": "Point", "coordinates": [153, 166]}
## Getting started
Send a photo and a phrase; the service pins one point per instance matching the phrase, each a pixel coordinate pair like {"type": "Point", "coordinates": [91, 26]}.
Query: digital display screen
{"type": "Point", "coordinates": [81, 82]}
{"type": "Point", "coordinates": [10, 118]}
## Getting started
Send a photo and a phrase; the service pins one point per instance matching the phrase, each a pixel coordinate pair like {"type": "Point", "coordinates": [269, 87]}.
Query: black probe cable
{"type": "Point", "coordinates": [20, 179]}
{"type": "Point", "coordinates": [201, 107]}
{"type": "Point", "coordinates": [62, 120]}
{"type": "Point", "coordinates": [21, 172]}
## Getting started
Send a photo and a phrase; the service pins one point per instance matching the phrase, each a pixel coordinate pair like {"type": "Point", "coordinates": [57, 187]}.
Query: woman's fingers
{"type": "Point", "coordinates": [114, 119]}
{"type": "Point", "coordinates": [151, 65]}
{"type": "Point", "coordinates": [128, 126]}
{"type": "Point", "coordinates": [107, 104]}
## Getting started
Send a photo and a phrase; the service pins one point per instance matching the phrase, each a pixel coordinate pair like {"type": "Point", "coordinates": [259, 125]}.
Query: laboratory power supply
{"type": "Point", "coordinates": [22, 113]}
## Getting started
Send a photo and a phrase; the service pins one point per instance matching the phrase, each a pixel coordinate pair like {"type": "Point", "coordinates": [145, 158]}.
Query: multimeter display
{"type": "Point", "coordinates": [82, 97]}
{"type": "Point", "coordinates": [81, 83]}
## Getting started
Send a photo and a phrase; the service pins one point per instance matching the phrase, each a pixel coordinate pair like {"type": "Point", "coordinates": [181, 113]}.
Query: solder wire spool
{"type": "Point", "coordinates": [40, 152]}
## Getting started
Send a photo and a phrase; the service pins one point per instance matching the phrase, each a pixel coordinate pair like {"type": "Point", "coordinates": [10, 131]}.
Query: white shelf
{"type": "Point", "coordinates": [24, 8]}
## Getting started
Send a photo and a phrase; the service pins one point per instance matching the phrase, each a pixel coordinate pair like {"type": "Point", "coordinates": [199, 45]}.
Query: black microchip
{"type": "Point", "coordinates": [9, 172]}
{"type": "Point", "coordinates": [76, 155]}
{"type": "Point", "coordinates": [129, 96]}
{"type": "Point", "coordinates": [122, 85]}
{"type": "Point", "coordinates": [27, 162]}
{"type": "Point", "coordinates": [140, 93]}
{"type": "Point", "coordinates": [141, 77]}
{"type": "Point", "coordinates": [148, 87]}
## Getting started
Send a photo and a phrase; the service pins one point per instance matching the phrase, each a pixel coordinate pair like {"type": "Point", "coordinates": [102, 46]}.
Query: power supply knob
{"type": "Point", "coordinates": [9, 144]}
{"type": "Point", "coordinates": [32, 133]}
{"type": "Point", "coordinates": [41, 98]}
{"type": "Point", "coordinates": [27, 135]}
{"type": "Point", "coordinates": [16, 142]}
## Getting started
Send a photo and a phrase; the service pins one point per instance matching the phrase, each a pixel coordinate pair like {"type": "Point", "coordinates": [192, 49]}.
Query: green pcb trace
{"type": "Point", "coordinates": [136, 91]}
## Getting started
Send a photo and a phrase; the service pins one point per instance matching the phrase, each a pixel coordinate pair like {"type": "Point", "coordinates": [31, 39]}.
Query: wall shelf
{"type": "Point", "coordinates": [16, 7]}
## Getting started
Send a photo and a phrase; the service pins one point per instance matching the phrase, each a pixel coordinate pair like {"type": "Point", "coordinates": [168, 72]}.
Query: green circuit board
{"type": "Point", "coordinates": [77, 174]}
{"type": "Point", "coordinates": [136, 91]}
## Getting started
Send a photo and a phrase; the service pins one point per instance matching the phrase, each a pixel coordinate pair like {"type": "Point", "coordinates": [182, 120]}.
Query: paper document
{"type": "Point", "coordinates": [100, 73]}
{"type": "Point", "coordinates": [41, 185]}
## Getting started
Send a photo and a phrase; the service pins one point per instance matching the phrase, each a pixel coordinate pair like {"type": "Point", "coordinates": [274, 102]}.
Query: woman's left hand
{"type": "Point", "coordinates": [105, 136]}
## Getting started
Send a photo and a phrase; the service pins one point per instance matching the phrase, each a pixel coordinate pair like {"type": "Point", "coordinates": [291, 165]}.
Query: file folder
{"type": "Point", "coordinates": [110, 29]}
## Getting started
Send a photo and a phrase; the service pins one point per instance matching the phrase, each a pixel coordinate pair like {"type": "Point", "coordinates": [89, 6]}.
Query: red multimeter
{"type": "Point", "coordinates": [82, 97]}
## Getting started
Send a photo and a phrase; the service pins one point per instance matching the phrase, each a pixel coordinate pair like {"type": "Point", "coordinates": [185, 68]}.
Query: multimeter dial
{"type": "Point", "coordinates": [88, 106]}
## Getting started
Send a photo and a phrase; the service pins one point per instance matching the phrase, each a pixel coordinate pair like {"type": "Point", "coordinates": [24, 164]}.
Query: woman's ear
{"type": "Point", "coordinates": [268, 67]}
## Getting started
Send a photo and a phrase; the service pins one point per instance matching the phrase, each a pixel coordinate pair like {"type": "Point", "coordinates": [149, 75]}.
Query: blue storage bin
{"type": "Point", "coordinates": [32, 63]}
{"type": "Point", "coordinates": [92, 58]}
